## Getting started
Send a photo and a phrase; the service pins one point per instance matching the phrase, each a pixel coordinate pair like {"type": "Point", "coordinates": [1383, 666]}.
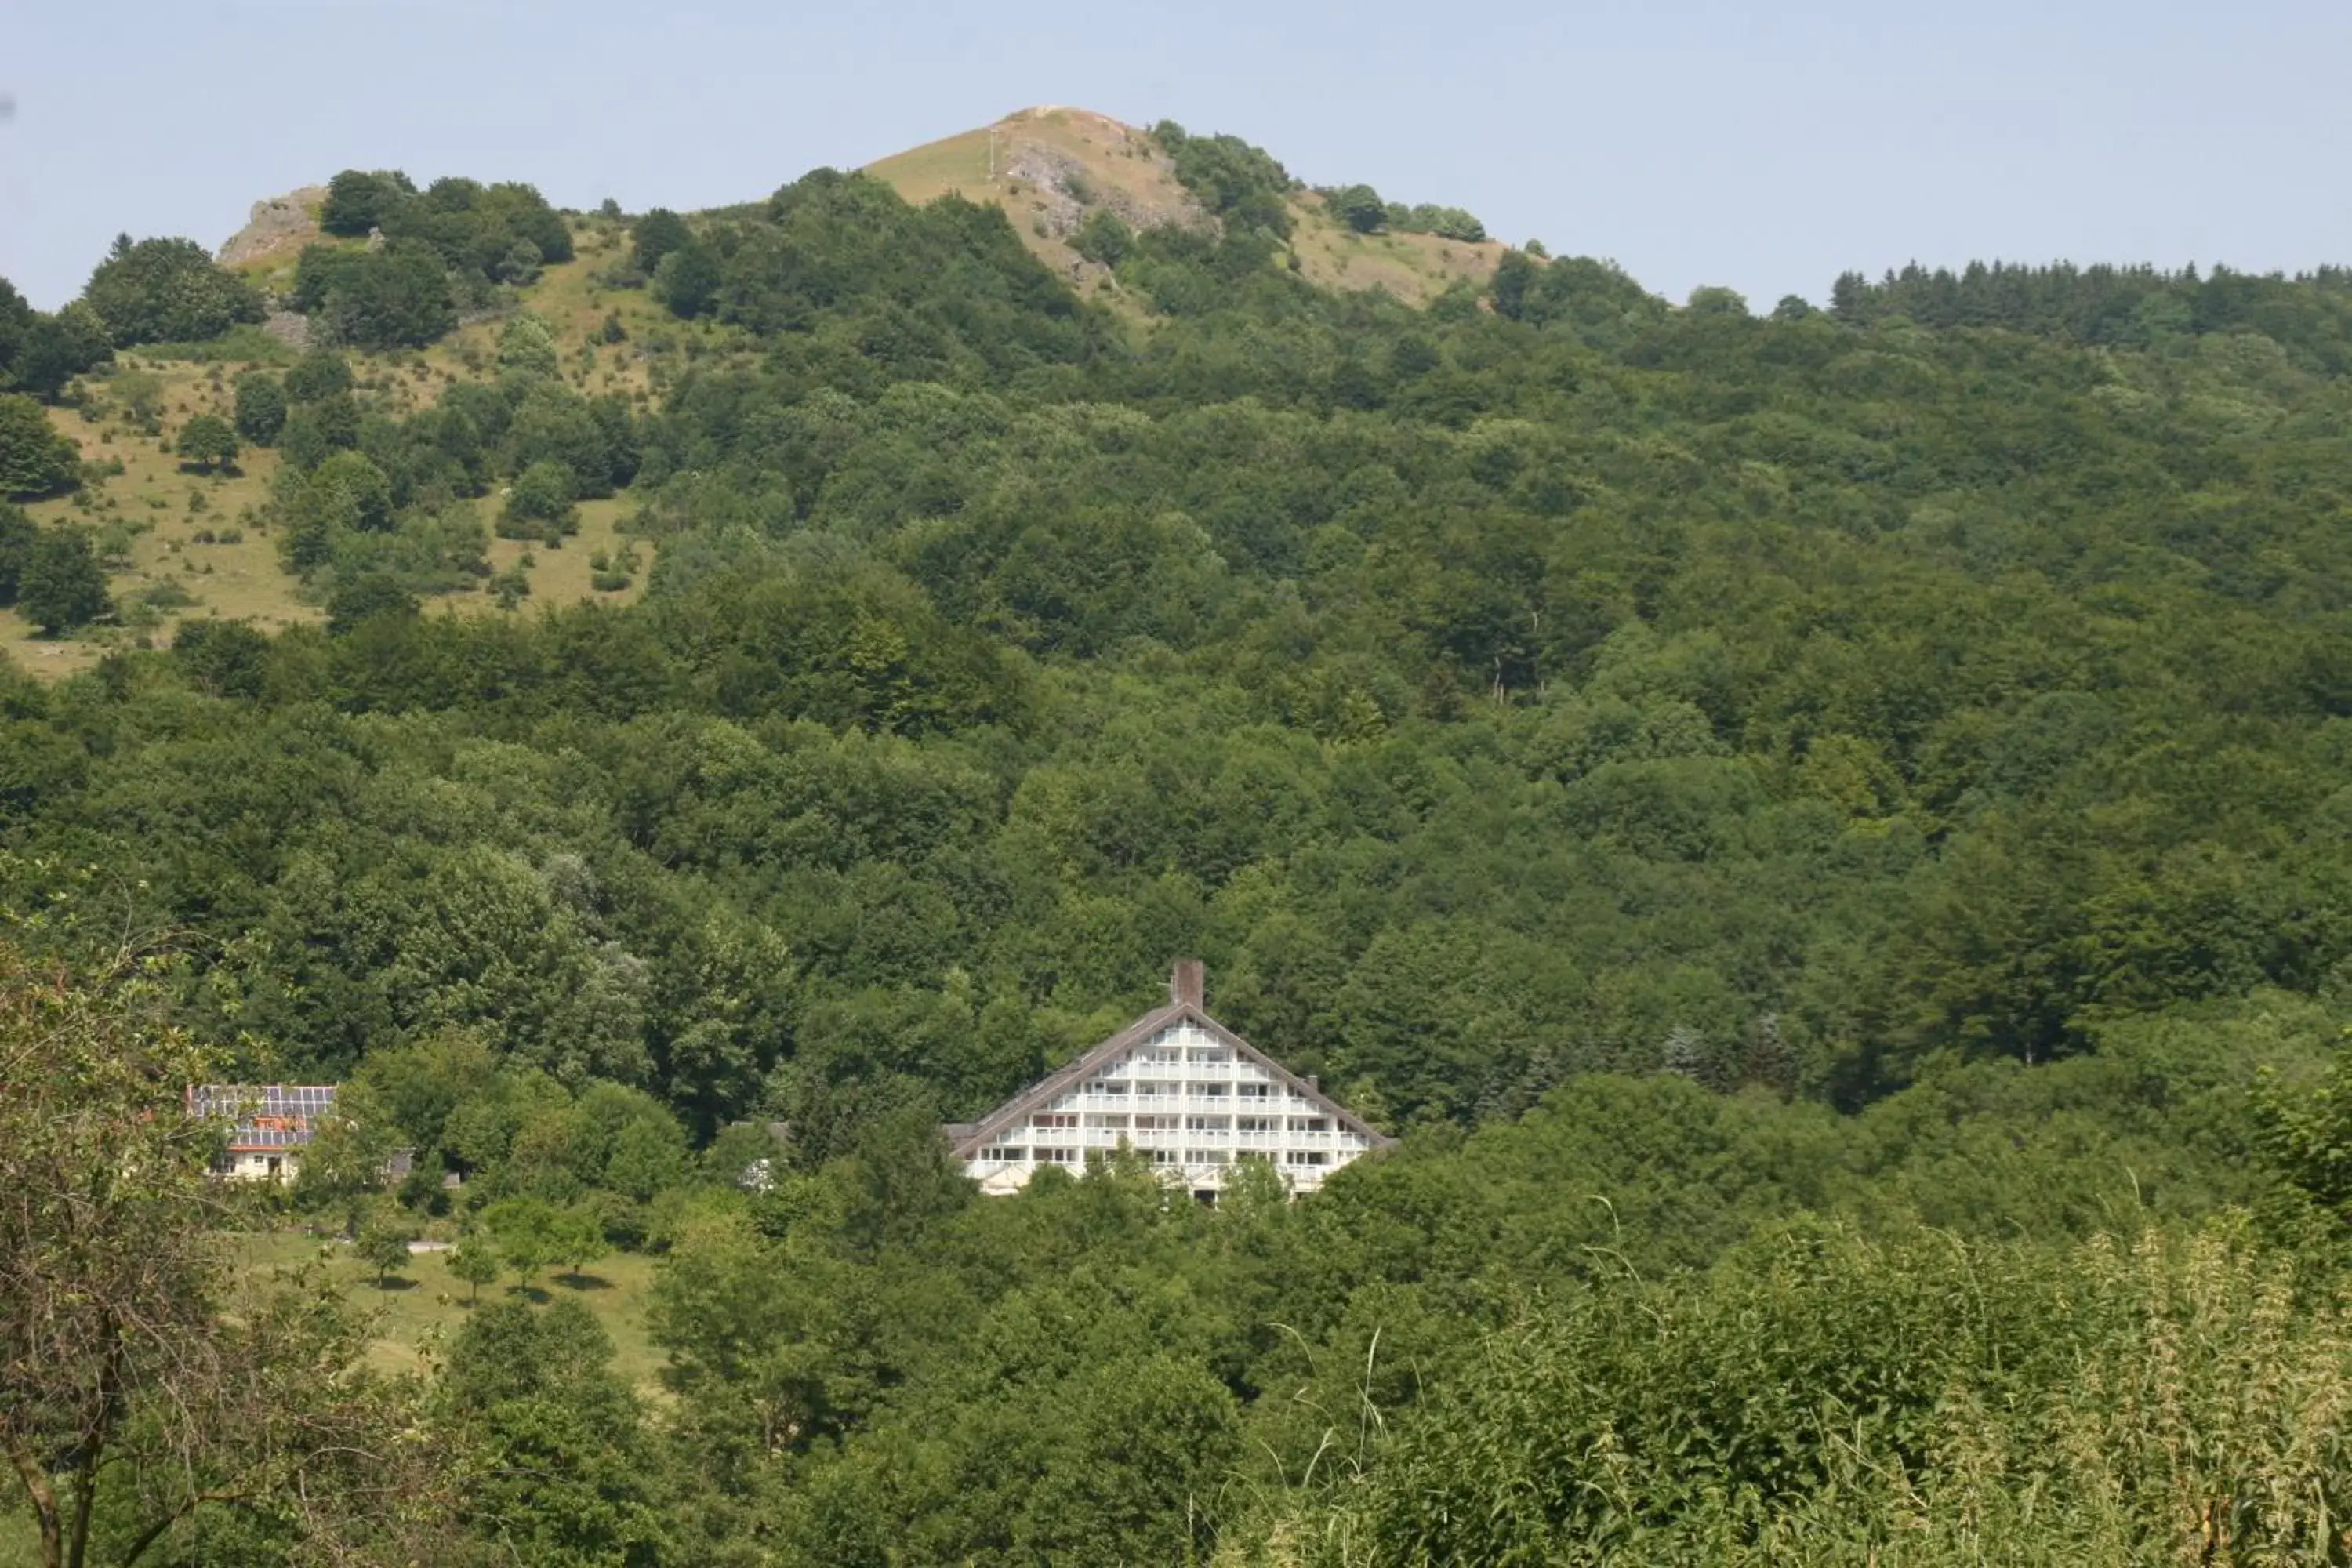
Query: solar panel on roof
{"type": "Point", "coordinates": [269, 1116]}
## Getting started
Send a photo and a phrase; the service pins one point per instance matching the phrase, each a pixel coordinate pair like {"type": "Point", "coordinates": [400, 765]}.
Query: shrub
{"type": "Point", "coordinates": [318, 374]}
{"type": "Point", "coordinates": [658, 233]}
{"type": "Point", "coordinates": [358, 201]}
{"type": "Point", "coordinates": [167, 291]}
{"type": "Point", "coordinates": [35, 460]}
{"type": "Point", "coordinates": [261, 408]}
{"type": "Point", "coordinates": [1360, 208]}
{"type": "Point", "coordinates": [539, 504]}
{"type": "Point", "coordinates": [208, 441]}
{"type": "Point", "coordinates": [63, 586]}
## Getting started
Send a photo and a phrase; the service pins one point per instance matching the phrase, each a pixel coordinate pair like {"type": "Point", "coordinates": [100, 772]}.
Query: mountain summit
{"type": "Point", "coordinates": [1050, 166]}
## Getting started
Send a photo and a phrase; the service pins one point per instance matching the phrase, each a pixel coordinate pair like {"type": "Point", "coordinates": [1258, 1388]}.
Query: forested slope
{"type": "Point", "coordinates": [1683, 770]}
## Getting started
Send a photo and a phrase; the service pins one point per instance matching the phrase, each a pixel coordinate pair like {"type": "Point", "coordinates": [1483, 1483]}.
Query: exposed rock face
{"type": "Point", "coordinates": [1066, 190]}
{"type": "Point", "coordinates": [279, 226]}
{"type": "Point", "coordinates": [289, 327]}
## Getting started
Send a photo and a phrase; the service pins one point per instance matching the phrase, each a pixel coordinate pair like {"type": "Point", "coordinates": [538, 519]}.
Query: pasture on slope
{"type": "Point", "coordinates": [185, 544]}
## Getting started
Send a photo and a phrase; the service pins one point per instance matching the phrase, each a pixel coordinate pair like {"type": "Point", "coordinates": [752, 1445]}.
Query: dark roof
{"type": "Point", "coordinates": [968, 1137]}
{"type": "Point", "coordinates": [269, 1116]}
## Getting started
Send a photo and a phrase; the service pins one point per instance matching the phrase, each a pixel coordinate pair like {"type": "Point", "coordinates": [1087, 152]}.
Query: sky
{"type": "Point", "coordinates": [1764, 147]}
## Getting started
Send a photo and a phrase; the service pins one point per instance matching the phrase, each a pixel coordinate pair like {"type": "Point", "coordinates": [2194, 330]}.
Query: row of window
{"type": "Point", "coordinates": [1165, 1088]}
{"type": "Point", "coordinates": [1167, 1055]}
{"type": "Point", "coordinates": [1069, 1120]}
{"type": "Point", "coordinates": [1010, 1154]}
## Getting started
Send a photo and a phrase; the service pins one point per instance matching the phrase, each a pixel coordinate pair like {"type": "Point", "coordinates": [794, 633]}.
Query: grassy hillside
{"type": "Point", "coordinates": [1827, 837]}
{"type": "Point", "coordinates": [419, 1308]}
{"type": "Point", "coordinates": [1047, 167]}
{"type": "Point", "coordinates": [181, 543]}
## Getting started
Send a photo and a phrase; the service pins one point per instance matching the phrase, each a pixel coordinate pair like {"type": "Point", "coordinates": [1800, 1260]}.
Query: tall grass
{"type": "Point", "coordinates": [1825, 1399]}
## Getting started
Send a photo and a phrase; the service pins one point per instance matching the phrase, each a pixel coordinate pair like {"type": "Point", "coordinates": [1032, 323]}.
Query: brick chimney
{"type": "Point", "coordinates": [1189, 985]}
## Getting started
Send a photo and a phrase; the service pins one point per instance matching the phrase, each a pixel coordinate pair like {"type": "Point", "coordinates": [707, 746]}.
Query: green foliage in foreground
{"type": "Point", "coordinates": [1823, 1399]}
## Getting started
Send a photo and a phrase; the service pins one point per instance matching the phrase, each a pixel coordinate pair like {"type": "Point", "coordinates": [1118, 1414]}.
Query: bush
{"type": "Point", "coordinates": [368, 598]}
{"type": "Point", "coordinates": [35, 460]}
{"type": "Point", "coordinates": [318, 374]}
{"type": "Point", "coordinates": [208, 441]}
{"type": "Point", "coordinates": [167, 291]}
{"type": "Point", "coordinates": [398, 297]}
{"type": "Point", "coordinates": [52, 349]}
{"type": "Point", "coordinates": [17, 534]}
{"type": "Point", "coordinates": [539, 504]}
{"type": "Point", "coordinates": [316, 431]}
{"type": "Point", "coordinates": [1360, 208]}
{"type": "Point", "coordinates": [261, 408]}
{"type": "Point", "coordinates": [656, 234]}
{"type": "Point", "coordinates": [63, 586]}
{"type": "Point", "coordinates": [687, 281]}
{"type": "Point", "coordinates": [358, 201]}
{"type": "Point", "coordinates": [1104, 237]}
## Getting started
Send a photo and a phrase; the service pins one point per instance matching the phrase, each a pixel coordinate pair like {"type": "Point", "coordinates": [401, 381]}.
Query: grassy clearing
{"type": "Point", "coordinates": [191, 545]}
{"type": "Point", "coordinates": [183, 535]}
{"type": "Point", "coordinates": [426, 1304]}
{"type": "Point", "coordinates": [1415, 267]}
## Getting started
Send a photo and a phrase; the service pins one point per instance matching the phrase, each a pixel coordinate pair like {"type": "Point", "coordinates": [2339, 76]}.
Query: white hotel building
{"type": "Point", "coordinates": [1184, 1092]}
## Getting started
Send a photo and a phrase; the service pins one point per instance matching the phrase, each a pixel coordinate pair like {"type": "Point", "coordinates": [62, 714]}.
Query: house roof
{"type": "Point", "coordinates": [968, 1138]}
{"type": "Point", "coordinates": [269, 1116]}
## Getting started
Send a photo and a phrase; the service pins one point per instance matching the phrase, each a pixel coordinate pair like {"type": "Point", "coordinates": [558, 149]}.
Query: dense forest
{"type": "Point", "coordinates": [1828, 835]}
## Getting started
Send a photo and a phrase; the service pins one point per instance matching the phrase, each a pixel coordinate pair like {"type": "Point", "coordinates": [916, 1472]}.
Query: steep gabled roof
{"type": "Point", "coordinates": [969, 1138]}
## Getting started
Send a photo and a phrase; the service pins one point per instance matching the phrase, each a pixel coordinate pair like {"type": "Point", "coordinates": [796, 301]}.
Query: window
{"type": "Point", "coordinates": [1098, 1087]}
{"type": "Point", "coordinates": [1058, 1156]}
{"type": "Point", "coordinates": [1208, 1054]}
{"type": "Point", "coordinates": [1155, 1089]}
{"type": "Point", "coordinates": [1112, 1122]}
{"type": "Point", "coordinates": [1160, 1156]}
{"type": "Point", "coordinates": [1155, 1125]}
{"type": "Point", "coordinates": [1050, 1120]}
{"type": "Point", "coordinates": [1251, 1090]}
{"type": "Point", "coordinates": [1257, 1124]}
{"type": "Point", "coordinates": [1310, 1124]}
{"type": "Point", "coordinates": [1295, 1157]}
{"type": "Point", "coordinates": [1210, 1091]}
{"type": "Point", "coordinates": [1204, 1124]}
{"type": "Point", "coordinates": [1206, 1156]}
{"type": "Point", "coordinates": [1006, 1155]}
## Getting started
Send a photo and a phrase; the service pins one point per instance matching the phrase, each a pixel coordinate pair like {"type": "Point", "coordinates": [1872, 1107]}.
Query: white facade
{"type": "Point", "coordinates": [1183, 1092]}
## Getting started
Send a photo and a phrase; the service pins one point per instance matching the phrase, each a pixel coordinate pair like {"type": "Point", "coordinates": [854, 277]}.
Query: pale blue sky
{"type": "Point", "coordinates": [1767, 147]}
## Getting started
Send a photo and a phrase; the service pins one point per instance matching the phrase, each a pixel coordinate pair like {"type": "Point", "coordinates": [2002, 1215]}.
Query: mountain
{"type": "Point", "coordinates": [1825, 835]}
{"type": "Point", "coordinates": [1049, 167]}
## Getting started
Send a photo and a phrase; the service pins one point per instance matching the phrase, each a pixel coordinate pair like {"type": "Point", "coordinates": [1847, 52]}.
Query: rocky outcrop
{"type": "Point", "coordinates": [1066, 190]}
{"type": "Point", "coordinates": [279, 226]}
